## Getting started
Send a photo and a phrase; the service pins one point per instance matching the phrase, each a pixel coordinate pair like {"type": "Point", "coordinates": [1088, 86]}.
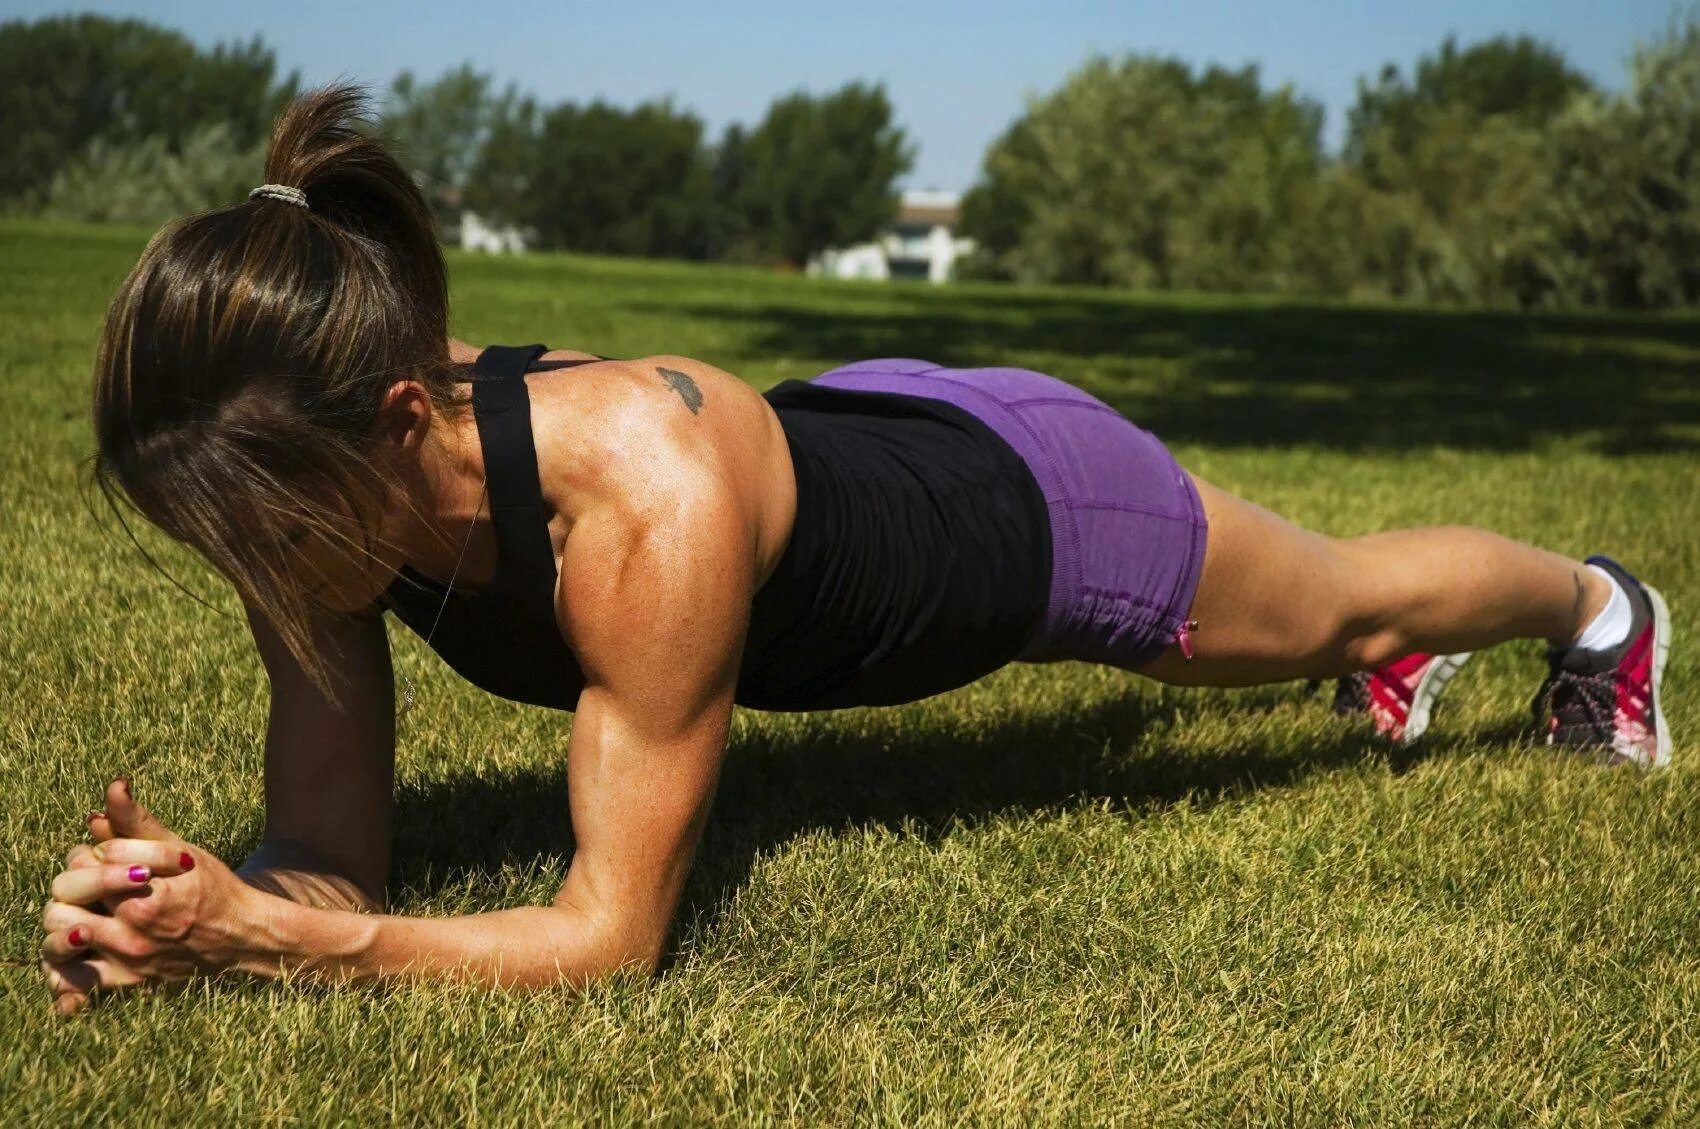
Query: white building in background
{"type": "Point", "coordinates": [920, 243]}
{"type": "Point", "coordinates": [476, 235]}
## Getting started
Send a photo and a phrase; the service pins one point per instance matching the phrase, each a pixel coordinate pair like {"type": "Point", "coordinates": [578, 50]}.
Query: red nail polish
{"type": "Point", "coordinates": [78, 936]}
{"type": "Point", "coordinates": [186, 860]}
{"type": "Point", "coordinates": [138, 874]}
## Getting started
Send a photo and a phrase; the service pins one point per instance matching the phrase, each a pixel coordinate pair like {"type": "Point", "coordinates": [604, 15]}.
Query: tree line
{"type": "Point", "coordinates": [1489, 174]}
{"type": "Point", "coordinates": [124, 120]}
{"type": "Point", "coordinates": [1494, 174]}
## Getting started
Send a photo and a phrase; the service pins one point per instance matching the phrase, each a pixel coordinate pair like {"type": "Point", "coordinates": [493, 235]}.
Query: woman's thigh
{"type": "Point", "coordinates": [1274, 601]}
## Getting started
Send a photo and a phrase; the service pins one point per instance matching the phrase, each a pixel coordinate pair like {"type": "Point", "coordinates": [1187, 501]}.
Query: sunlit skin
{"type": "Point", "coordinates": [665, 519]}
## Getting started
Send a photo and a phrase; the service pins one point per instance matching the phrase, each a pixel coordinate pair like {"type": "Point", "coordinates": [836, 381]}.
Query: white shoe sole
{"type": "Point", "coordinates": [1429, 689]}
{"type": "Point", "coordinates": [1662, 743]}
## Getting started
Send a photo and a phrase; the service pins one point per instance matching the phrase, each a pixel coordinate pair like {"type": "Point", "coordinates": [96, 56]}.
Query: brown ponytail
{"type": "Point", "coordinates": [245, 357]}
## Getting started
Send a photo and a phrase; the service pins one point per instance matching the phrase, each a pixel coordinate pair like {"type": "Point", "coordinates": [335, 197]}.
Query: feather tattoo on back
{"type": "Point", "coordinates": [684, 386]}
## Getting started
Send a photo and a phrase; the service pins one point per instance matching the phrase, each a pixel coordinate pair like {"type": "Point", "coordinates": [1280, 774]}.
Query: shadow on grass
{"type": "Point", "coordinates": [788, 781]}
{"type": "Point", "coordinates": [1255, 374]}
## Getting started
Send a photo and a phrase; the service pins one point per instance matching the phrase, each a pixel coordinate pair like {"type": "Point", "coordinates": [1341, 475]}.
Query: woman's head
{"type": "Point", "coordinates": [246, 360]}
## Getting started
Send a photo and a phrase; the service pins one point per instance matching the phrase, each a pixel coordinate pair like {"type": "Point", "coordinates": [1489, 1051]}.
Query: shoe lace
{"type": "Point", "coordinates": [1584, 705]}
{"type": "Point", "coordinates": [1351, 694]}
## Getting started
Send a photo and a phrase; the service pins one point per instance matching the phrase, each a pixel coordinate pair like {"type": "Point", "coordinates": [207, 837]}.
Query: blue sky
{"type": "Point", "coordinates": [957, 72]}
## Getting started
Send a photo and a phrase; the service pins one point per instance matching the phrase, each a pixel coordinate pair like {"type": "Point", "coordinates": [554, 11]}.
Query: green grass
{"type": "Point", "coordinates": [1061, 894]}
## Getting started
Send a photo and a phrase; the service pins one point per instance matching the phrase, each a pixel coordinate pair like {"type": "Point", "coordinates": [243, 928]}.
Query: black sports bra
{"type": "Point", "coordinates": [918, 562]}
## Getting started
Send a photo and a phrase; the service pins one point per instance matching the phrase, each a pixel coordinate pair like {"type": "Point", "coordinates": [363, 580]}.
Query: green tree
{"type": "Point", "coordinates": [995, 210]}
{"type": "Point", "coordinates": [66, 81]}
{"type": "Point", "coordinates": [820, 172]}
{"type": "Point", "coordinates": [629, 182]}
{"type": "Point", "coordinates": [441, 128]}
{"type": "Point", "coordinates": [1457, 229]}
{"type": "Point", "coordinates": [149, 182]}
{"type": "Point", "coordinates": [500, 181]}
{"type": "Point", "coordinates": [1141, 172]}
{"type": "Point", "coordinates": [1516, 76]}
{"type": "Point", "coordinates": [1435, 196]}
{"type": "Point", "coordinates": [1620, 216]}
{"type": "Point", "coordinates": [729, 232]}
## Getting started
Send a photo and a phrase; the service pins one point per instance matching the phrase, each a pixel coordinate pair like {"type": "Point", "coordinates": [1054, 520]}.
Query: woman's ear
{"type": "Point", "coordinates": [404, 417]}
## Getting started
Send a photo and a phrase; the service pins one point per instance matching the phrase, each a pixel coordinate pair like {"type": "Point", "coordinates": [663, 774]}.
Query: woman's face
{"type": "Point", "coordinates": [341, 584]}
{"type": "Point", "coordinates": [344, 570]}
{"type": "Point", "coordinates": [347, 567]}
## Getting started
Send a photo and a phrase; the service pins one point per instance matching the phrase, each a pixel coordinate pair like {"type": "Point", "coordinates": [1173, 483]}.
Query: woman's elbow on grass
{"type": "Point", "coordinates": [588, 948]}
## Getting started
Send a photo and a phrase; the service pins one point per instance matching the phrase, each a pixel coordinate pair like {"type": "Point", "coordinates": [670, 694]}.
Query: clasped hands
{"type": "Point", "coordinates": [140, 905]}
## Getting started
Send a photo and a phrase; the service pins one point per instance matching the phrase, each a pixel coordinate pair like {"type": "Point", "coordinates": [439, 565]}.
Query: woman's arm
{"type": "Point", "coordinates": [640, 787]}
{"type": "Point", "coordinates": [329, 774]}
{"type": "Point", "coordinates": [655, 603]}
{"type": "Point", "coordinates": [656, 611]}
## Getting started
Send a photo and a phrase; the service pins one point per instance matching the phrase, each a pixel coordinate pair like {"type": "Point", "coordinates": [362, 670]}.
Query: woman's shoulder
{"type": "Point", "coordinates": [612, 430]}
{"type": "Point", "coordinates": [648, 446]}
{"type": "Point", "coordinates": [605, 408]}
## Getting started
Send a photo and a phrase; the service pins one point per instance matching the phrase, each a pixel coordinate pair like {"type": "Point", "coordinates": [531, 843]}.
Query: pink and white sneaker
{"type": "Point", "coordinates": [1399, 697]}
{"type": "Point", "coordinates": [1607, 702]}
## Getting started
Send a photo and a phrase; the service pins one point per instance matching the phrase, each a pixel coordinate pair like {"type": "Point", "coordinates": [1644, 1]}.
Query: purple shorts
{"type": "Point", "coordinates": [1127, 526]}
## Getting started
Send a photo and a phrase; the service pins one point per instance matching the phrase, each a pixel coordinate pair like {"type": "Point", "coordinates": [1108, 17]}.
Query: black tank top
{"type": "Point", "coordinates": [920, 559]}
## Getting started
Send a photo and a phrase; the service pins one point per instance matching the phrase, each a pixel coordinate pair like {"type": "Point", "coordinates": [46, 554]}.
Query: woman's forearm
{"type": "Point", "coordinates": [527, 947]}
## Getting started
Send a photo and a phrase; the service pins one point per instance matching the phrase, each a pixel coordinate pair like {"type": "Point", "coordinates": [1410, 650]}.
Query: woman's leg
{"type": "Point", "coordinates": [1276, 602]}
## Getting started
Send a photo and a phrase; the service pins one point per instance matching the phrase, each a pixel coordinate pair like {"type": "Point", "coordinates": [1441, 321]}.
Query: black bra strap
{"type": "Point", "coordinates": [525, 557]}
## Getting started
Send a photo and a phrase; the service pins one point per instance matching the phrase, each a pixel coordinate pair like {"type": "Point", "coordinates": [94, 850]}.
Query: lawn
{"type": "Point", "coordinates": [1061, 894]}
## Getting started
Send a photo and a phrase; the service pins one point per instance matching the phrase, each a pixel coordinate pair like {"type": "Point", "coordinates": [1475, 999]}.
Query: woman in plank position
{"type": "Point", "coordinates": [647, 542]}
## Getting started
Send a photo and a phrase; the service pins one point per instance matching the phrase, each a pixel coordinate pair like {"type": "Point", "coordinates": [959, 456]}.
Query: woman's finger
{"type": "Point", "coordinates": [60, 916]}
{"type": "Point", "coordinates": [92, 883]}
{"type": "Point", "coordinates": [80, 857]}
{"type": "Point", "coordinates": [71, 984]}
{"type": "Point", "coordinates": [67, 944]}
{"type": "Point", "coordinates": [100, 827]}
{"type": "Point", "coordinates": [164, 859]}
{"type": "Point", "coordinates": [99, 934]}
{"type": "Point", "coordinates": [126, 867]}
{"type": "Point", "coordinates": [129, 818]}
{"type": "Point", "coordinates": [74, 982]}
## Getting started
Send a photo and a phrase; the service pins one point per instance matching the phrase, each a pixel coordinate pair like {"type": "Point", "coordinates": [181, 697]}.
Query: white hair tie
{"type": "Point", "coordinates": [284, 192]}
